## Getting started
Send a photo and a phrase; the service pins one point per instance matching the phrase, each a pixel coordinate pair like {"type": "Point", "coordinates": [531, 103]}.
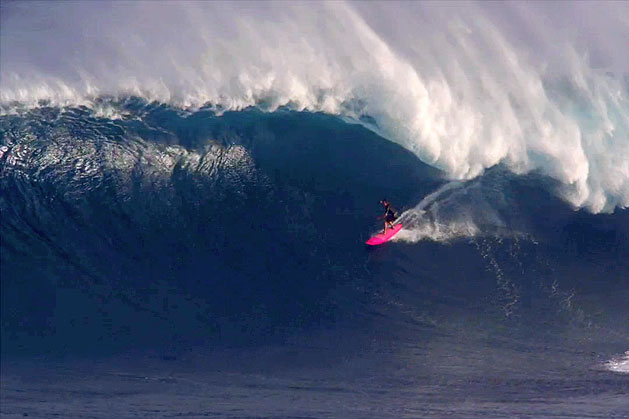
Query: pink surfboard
{"type": "Point", "coordinates": [383, 238]}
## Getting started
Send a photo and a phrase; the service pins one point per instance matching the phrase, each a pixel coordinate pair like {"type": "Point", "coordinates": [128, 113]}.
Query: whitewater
{"type": "Point", "coordinates": [186, 189]}
{"type": "Point", "coordinates": [464, 86]}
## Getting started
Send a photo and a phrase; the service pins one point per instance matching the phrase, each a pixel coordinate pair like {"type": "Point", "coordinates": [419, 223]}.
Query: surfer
{"type": "Point", "coordinates": [389, 215]}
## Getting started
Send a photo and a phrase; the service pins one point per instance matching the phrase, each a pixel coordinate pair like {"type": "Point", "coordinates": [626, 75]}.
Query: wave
{"type": "Point", "coordinates": [161, 217]}
{"type": "Point", "coordinates": [464, 87]}
{"type": "Point", "coordinates": [161, 227]}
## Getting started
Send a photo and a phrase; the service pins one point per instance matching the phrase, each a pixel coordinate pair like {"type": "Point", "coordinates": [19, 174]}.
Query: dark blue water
{"type": "Point", "coordinates": [167, 263]}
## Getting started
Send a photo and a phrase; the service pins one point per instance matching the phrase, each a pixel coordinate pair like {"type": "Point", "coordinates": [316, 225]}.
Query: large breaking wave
{"type": "Point", "coordinates": [192, 184]}
{"type": "Point", "coordinates": [161, 224]}
{"type": "Point", "coordinates": [169, 167]}
{"type": "Point", "coordinates": [536, 87]}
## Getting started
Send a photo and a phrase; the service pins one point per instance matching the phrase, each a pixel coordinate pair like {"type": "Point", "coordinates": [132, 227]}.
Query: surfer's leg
{"type": "Point", "coordinates": [388, 223]}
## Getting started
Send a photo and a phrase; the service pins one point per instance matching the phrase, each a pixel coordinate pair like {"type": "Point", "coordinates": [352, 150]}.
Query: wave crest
{"type": "Point", "coordinates": [457, 86]}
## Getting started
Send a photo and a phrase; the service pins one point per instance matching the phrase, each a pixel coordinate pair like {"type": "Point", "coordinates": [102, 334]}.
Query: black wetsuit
{"type": "Point", "coordinates": [389, 214]}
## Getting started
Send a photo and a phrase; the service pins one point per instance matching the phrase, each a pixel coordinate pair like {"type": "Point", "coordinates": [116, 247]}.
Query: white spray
{"type": "Point", "coordinates": [465, 86]}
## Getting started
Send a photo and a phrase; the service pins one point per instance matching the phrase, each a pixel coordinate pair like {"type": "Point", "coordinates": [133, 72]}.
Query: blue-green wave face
{"type": "Point", "coordinates": [201, 222]}
{"type": "Point", "coordinates": [245, 217]}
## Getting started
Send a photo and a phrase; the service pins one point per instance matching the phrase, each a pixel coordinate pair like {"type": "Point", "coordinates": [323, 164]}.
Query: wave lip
{"type": "Point", "coordinates": [473, 94]}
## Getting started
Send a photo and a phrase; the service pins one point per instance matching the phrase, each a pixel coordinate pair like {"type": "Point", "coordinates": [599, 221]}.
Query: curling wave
{"type": "Point", "coordinates": [456, 86]}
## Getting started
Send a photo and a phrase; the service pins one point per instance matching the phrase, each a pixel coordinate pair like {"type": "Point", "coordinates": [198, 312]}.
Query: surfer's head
{"type": "Point", "coordinates": [384, 202]}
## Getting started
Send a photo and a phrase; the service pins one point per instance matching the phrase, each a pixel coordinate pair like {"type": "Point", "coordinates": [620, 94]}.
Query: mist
{"type": "Point", "coordinates": [535, 86]}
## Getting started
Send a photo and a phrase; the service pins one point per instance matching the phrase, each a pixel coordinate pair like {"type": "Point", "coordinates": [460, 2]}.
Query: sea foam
{"type": "Point", "coordinates": [535, 87]}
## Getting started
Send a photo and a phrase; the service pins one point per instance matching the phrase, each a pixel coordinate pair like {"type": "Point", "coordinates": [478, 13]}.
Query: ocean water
{"type": "Point", "coordinates": [186, 189]}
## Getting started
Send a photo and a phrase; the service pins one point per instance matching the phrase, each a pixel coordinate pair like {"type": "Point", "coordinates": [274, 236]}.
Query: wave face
{"type": "Point", "coordinates": [269, 209]}
{"type": "Point", "coordinates": [245, 211]}
{"type": "Point", "coordinates": [535, 87]}
{"type": "Point", "coordinates": [219, 236]}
